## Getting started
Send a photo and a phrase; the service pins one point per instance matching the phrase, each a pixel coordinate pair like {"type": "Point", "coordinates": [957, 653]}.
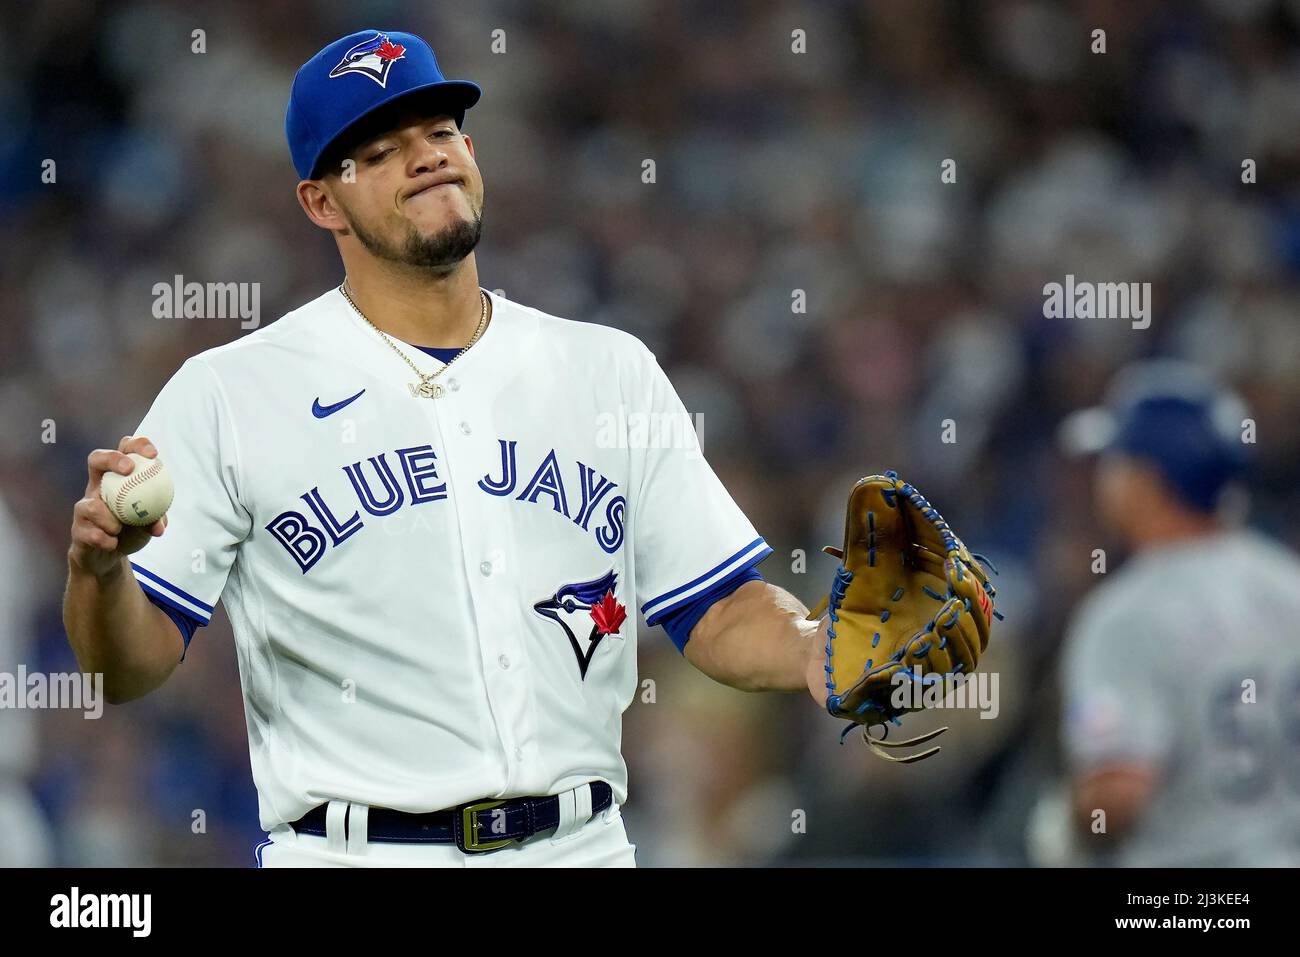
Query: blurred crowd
{"type": "Point", "coordinates": [774, 172]}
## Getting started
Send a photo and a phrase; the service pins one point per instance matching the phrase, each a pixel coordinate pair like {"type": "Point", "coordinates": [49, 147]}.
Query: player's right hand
{"type": "Point", "coordinates": [99, 540]}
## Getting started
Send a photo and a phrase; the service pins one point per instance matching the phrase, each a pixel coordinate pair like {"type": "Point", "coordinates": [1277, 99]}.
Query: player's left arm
{"type": "Point", "coordinates": [696, 559]}
{"type": "Point", "coordinates": [758, 639]}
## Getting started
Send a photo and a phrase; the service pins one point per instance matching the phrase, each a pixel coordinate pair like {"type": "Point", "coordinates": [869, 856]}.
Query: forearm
{"type": "Point", "coordinates": [116, 631]}
{"type": "Point", "coordinates": [755, 639]}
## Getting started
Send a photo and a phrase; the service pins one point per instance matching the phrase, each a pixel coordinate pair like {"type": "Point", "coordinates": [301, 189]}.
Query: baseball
{"type": "Point", "coordinates": [142, 497]}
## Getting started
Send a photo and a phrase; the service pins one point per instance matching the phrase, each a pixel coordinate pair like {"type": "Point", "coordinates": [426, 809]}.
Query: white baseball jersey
{"type": "Point", "coordinates": [1186, 660]}
{"type": "Point", "coordinates": [430, 596]}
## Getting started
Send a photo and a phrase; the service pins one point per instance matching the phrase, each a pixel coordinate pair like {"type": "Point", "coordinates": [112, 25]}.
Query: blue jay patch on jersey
{"type": "Point", "coordinates": [373, 58]}
{"type": "Point", "coordinates": [577, 605]}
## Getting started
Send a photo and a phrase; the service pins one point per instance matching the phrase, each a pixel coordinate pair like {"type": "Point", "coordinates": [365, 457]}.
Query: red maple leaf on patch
{"type": "Point", "coordinates": [388, 50]}
{"type": "Point", "coordinates": [609, 615]}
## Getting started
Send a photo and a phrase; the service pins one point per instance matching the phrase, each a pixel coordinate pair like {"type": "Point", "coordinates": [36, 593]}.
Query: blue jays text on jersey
{"type": "Point", "coordinates": [379, 493]}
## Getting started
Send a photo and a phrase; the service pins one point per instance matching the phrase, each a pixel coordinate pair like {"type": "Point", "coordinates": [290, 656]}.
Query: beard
{"type": "Point", "coordinates": [438, 253]}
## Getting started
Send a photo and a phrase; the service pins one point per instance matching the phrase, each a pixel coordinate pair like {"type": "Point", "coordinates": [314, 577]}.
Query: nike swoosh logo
{"type": "Point", "coordinates": [320, 411]}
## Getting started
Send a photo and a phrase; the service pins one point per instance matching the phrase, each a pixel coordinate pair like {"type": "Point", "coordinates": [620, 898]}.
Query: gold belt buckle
{"type": "Point", "coordinates": [470, 826]}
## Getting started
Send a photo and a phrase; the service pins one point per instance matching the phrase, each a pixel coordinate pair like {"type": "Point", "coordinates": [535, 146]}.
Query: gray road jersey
{"type": "Point", "coordinates": [1188, 658]}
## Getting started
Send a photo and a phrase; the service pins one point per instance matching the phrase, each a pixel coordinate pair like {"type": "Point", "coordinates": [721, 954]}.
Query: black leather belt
{"type": "Point", "coordinates": [474, 827]}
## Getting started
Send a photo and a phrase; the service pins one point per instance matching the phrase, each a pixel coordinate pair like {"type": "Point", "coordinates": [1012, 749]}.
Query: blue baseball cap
{"type": "Point", "coordinates": [355, 76]}
{"type": "Point", "coordinates": [1174, 415]}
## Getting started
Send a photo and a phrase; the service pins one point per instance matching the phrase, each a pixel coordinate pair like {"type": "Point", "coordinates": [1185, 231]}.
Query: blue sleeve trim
{"type": "Point", "coordinates": [184, 621]}
{"type": "Point", "coordinates": [751, 554]}
{"type": "Point", "coordinates": [680, 622]}
{"type": "Point", "coordinates": [179, 597]}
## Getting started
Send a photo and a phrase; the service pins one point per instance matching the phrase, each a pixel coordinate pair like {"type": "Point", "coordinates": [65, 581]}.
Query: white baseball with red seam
{"type": "Point", "coordinates": [143, 496]}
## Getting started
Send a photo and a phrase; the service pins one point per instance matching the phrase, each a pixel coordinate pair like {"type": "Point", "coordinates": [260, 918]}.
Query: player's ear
{"type": "Point", "coordinates": [315, 199]}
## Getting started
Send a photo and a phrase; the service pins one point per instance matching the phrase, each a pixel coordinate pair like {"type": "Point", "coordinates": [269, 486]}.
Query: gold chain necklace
{"type": "Point", "coordinates": [426, 388]}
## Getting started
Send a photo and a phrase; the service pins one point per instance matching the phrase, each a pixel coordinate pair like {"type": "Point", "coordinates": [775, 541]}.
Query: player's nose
{"type": "Point", "coordinates": [427, 156]}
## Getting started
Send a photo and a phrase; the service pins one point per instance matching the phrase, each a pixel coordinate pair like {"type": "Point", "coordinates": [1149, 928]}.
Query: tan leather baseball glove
{"type": "Point", "coordinates": [909, 602]}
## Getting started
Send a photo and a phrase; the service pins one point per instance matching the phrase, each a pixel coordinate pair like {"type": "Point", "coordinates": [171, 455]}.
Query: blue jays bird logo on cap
{"type": "Point", "coordinates": [373, 58]}
{"type": "Point", "coordinates": [576, 605]}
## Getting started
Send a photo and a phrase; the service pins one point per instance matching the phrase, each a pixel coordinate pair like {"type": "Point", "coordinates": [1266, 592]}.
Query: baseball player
{"type": "Point", "coordinates": [1181, 671]}
{"type": "Point", "coordinates": [27, 840]}
{"type": "Point", "coordinates": [430, 549]}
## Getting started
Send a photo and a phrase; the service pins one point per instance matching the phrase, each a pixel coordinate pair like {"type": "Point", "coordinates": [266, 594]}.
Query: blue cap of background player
{"type": "Point", "coordinates": [1174, 415]}
{"type": "Point", "coordinates": [353, 77]}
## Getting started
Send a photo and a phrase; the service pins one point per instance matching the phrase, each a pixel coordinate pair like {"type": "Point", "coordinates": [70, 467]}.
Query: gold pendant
{"type": "Point", "coordinates": [425, 390]}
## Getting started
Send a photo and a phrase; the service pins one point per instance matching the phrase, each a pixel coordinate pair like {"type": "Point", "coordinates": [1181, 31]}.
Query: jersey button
{"type": "Point", "coordinates": [453, 385]}
{"type": "Point", "coordinates": [485, 568]}
{"type": "Point", "coordinates": [519, 754]}
{"type": "Point", "coordinates": [504, 662]}
{"type": "Point", "coordinates": [465, 429]}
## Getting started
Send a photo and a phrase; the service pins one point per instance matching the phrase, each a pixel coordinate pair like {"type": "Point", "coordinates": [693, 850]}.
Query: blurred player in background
{"type": "Point", "coordinates": [1181, 671]}
{"type": "Point", "coordinates": [24, 835]}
